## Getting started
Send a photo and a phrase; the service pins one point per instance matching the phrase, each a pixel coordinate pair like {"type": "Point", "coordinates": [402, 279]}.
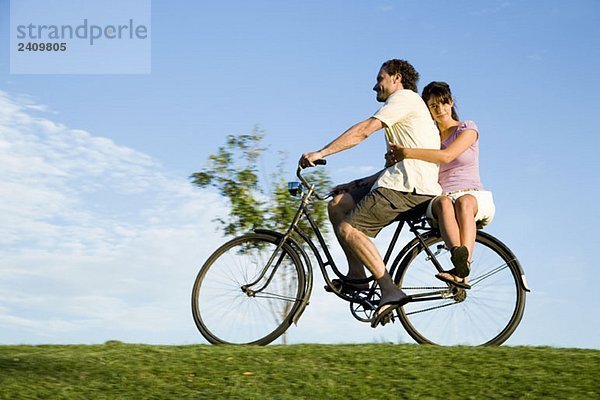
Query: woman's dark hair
{"type": "Point", "coordinates": [410, 76]}
{"type": "Point", "coordinates": [439, 92]}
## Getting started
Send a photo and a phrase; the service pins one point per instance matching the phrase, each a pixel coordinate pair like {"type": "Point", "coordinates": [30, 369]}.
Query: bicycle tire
{"type": "Point", "coordinates": [485, 315]}
{"type": "Point", "coordinates": [225, 314]}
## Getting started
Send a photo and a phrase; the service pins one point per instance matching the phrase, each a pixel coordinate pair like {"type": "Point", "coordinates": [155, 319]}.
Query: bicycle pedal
{"type": "Point", "coordinates": [388, 319]}
{"type": "Point", "coordinates": [365, 304]}
{"type": "Point", "coordinates": [363, 296]}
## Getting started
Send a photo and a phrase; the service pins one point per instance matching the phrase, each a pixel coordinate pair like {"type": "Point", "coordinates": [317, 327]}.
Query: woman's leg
{"type": "Point", "coordinates": [465, 209]}
{"type": "Point", "coordinates": [443, 210]}
{"type": "Point", "coordinates": [451, 231]}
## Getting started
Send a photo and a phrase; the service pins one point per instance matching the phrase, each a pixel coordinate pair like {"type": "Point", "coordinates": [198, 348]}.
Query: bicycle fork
{"type": "Point", "coordinates": [246, 288]}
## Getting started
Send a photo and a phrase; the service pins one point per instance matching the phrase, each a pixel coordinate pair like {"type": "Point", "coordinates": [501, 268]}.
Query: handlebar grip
{"type": "Point", "coordinates": [321, 162]}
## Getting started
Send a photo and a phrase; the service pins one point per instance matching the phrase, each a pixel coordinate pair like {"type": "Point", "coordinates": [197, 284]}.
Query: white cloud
{"type": "Point", "coordinates": [97, 241]}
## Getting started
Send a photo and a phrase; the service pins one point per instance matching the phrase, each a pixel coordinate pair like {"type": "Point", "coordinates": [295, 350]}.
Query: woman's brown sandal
{"type": "Point", "coordinates": [452, 278]}
{"type": "Point", "coordinates": [459, 256]}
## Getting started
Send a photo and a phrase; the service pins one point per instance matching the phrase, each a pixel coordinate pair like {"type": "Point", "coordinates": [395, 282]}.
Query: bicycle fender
{"type": "Point", "coordinates": [293, 243]}
{"type": "Point", "coordinates": [514, 258]}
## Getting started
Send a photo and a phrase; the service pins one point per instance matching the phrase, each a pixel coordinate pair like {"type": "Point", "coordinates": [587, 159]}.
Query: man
{"type": "Point", "coordinates": [362, 208]}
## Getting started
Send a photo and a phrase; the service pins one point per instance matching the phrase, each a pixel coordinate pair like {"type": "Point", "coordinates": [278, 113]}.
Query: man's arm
{"type": "Point", "coordinates": [346, 140]}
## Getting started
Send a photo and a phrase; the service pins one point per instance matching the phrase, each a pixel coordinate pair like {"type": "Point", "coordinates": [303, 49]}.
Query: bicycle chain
{"type": "Point", "coordinates": [425, 288]}
{"type": "Point", "coordinates": [432, 308]}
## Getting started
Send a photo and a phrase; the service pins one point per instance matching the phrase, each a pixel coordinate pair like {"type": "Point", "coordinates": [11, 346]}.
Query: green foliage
{"type": "Point", "coordinates": [284, 206]}
{"type": "Point", "coordinates": [369, 371]}
{"type": "Point", "coordinates": [234, 173]}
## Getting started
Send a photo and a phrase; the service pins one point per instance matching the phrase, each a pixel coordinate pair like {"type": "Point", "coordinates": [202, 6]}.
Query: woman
{"type": "Point", "coordinates": [463, 204]}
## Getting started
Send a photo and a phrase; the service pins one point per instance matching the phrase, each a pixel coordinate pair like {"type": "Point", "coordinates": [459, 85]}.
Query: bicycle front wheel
{"type": "Point", "coordinates": [233, 304]}
{"type": "Point", "coordinates": [486, 314]}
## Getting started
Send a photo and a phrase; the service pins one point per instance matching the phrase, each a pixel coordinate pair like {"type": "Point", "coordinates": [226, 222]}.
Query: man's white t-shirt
{"type": "Point", "coordinates": [408, 123]}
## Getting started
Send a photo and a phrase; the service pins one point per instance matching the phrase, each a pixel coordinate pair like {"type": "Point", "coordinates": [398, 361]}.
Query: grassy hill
{"type": "Point", "coordinates": [374, 371]}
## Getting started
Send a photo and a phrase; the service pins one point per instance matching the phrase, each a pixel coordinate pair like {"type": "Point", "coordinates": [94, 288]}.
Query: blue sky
{"type": "Point", "coordinates": [102, 234]}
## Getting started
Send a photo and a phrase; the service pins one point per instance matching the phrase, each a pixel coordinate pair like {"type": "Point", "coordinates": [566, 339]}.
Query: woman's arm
{"type": "Point", "coordinates": [464, 140]}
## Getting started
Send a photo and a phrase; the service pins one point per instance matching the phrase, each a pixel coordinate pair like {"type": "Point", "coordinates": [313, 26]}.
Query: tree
{"type": "Point", "coordinates": [233, 171]}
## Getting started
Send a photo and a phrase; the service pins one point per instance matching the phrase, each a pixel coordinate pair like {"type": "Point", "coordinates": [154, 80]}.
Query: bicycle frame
{"type": "Point", "coordinates": [324, 260]}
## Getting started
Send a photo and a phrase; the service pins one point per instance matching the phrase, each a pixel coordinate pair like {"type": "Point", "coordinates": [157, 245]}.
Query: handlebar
{"type": "Point", "coordinates": [309, 185]}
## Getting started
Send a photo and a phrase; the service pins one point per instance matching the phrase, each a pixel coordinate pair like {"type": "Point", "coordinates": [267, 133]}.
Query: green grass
{"type": "Point", "coordinates": [374, 371]}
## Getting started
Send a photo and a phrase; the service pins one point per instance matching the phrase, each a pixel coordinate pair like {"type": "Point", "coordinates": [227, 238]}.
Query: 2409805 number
{"type": "Point", "coordinates": [34, 46]}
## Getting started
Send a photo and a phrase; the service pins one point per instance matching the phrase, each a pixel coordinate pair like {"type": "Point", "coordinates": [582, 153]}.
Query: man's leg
{"type": "Point", "coordinates": [360, 247]}
{"type": "Point", "coordinates": [375, 211]}
{"type": "Point", "coordinates": [363, 249]}
{"type": "Point", "coordinates": [339, 208]}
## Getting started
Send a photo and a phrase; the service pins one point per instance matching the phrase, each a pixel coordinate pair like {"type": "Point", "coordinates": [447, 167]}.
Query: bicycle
{"type": "Point", "coordinates": [252, 288]}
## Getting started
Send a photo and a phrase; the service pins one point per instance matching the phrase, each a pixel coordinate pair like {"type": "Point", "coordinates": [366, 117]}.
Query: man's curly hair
{"type": "Point", "coordinates": [410, 76]}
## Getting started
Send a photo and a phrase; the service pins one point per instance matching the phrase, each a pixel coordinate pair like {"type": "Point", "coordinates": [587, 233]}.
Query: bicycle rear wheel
{"type": "Point", "coordinates": [486, 314]}
{"type": "Point", "coordinates": [227, 313]}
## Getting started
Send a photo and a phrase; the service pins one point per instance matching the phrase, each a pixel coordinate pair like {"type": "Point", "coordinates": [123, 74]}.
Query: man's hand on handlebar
{"type": "Point", "coordinates": [311, 159]}
{"type": "Point", "coordinates": [315, 161]}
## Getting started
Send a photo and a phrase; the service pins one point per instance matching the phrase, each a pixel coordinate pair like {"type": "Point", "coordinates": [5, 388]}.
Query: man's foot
{"type": "Point", "coordinates": [387, 305]}
{"type": "Point", "coordinates": [346, 287]}
{"type": "Point", "coordinates": [459, 256]}
{"type": "Point", "coordinates": [452, 278]}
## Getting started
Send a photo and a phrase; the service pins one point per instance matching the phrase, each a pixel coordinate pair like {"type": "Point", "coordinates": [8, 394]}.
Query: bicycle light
{"type": "Point", "coordinates": [295, 188]}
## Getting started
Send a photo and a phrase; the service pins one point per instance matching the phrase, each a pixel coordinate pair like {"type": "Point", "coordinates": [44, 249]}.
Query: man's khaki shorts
{"type": "Point", "coordinates": [380, 207]}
